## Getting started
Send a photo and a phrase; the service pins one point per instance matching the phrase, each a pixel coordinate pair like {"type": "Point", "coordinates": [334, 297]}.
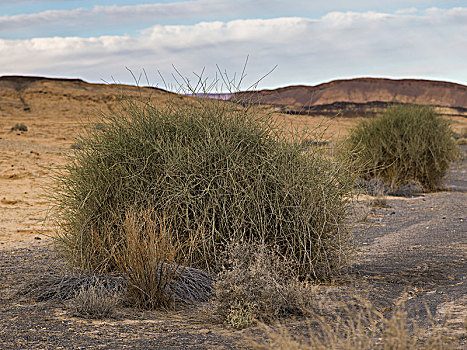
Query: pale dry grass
{"type": "Point", "coordinates": [362, 328]}
{"type": "Point", "coordinates": [95, 301]}
{"type": "Point", "coordinates": [149, 258]}
{"type": "Point", "coordinates": [257, 284]}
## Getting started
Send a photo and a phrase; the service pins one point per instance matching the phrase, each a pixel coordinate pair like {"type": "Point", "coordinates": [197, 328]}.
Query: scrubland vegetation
{"type": "Point", "coordinates": [212, 186]}
{"type": "Point", "coordinates": [406, 144]}
{"type": "Point", "coordinates": [214, 172]}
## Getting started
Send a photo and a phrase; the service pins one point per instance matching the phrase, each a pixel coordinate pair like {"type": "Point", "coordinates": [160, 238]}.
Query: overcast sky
{"type": "Point", "coordinates": [310, 41]}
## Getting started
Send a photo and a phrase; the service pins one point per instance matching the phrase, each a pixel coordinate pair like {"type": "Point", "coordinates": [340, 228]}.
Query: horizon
{"type": "Point", "coordinates": [308, 43]}
{"type": "Point", "coordinates": [227, 92]}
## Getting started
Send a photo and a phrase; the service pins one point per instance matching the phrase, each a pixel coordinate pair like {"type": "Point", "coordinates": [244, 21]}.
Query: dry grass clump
{"type": "Point", "coordinates": [408, 143]}
{"type": "Point", "coordinates": [217, 172]}
{"type": "Point", "coordinates": [257, 284]}
{"type": "Point", "coordinates": [362, 328]}
{"type": "Point", "coordinates": [148, 258]}
{"type": "Point", "coordinates": [94, 301]}
{"type": "Point", "coordinates": [148, 255]}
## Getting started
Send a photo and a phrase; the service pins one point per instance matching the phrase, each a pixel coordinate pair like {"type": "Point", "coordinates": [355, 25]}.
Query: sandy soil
{"type": "Point", "coordinates": [415, 246]}
{"type": "Point", "coordinates": [26, 163]}
{"type": "Point", "coordinates": [29, 159]}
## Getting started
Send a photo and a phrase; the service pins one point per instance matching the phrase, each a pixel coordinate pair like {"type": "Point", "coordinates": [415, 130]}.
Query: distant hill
{"type": "Point", "coordinates": [359, 95]}
{"type": "Point", "coordinates": [74, 99]}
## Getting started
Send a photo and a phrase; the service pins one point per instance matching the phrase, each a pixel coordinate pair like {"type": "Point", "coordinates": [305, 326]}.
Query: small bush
{"type": "Point", "coordinates": [217, 172]}
{"type": "Point", "coordinates": [19, 127]}
{"type": "Point", "coordinates": [256, 284]}
{"type": "Point", "coordinates": [94, 301]}
{"type": "Point", "coordinates": [407, 143]}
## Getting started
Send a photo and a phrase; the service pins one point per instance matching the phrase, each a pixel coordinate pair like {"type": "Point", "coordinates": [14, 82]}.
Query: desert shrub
{"type": "Point", "coordinates": [407, 143]}
{"type": "Point", "coordinates": [94, 301]}
{"type": "Point", "coordinates": [19, 127]}
{"type": "Point", "coordinates": [216, 171]}
{"type": "Point", "coordinates": [257, 284]}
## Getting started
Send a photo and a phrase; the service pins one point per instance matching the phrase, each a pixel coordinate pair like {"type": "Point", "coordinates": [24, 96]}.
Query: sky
{"type": "Point", "coordinates": [174, 42]}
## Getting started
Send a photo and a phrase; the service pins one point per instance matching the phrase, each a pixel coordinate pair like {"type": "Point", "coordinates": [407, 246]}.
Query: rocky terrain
{"type": "Point", "coordinates": [355, 97]}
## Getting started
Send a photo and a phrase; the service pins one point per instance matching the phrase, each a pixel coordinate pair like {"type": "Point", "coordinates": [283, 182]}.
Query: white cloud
{"type": "Point", "coordinates": [83, 21]}
{"type": "Point", "coordinates": [430, 44]}
{"type": "Point", "coordinates": [117, 20]}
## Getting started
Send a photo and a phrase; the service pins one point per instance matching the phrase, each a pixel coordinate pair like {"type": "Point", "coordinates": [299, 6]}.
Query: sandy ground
{"type": "Point", "coordinates": [416, 246]}
{"type": "Point", "coordinates": [26, 164]}
{"type": "Point", "coordinates": [29, 159]}
{"type": "Point", "coordinates": [25, 168]}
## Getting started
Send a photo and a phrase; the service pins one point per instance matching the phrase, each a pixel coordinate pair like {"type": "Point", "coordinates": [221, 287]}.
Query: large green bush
{"type": "Point", "coordinates": [216, 172]}
{"type": "Point", "coordinates": [408, 143]}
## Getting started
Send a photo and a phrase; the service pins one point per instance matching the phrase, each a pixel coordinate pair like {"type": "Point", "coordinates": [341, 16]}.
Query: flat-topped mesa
{"type": "Point", "coordinates": [22, 82]}
{"type": "Point", "coordinates": [362, 91]}
{"type": "Point", "coordinates": [74, 98]}
{"type": "Point", "coordinates": [30, 78]}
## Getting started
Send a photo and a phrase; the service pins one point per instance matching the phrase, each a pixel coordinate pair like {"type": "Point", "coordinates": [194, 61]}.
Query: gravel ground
{"type": "Point", "coordinates": [417, 247]}
{"type": "Point", "coordinates": [414, 249]}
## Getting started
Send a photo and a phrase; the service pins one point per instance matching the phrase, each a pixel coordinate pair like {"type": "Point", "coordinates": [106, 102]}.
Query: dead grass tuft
{"type": "Point", "coordinates": [149, 258]}
{"type": "Point", "coordinates": [257, 284]}
{"type": "Point", "coordinates": [95, 301]}
{"type": "Point", "coordinates": [361, 327]}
